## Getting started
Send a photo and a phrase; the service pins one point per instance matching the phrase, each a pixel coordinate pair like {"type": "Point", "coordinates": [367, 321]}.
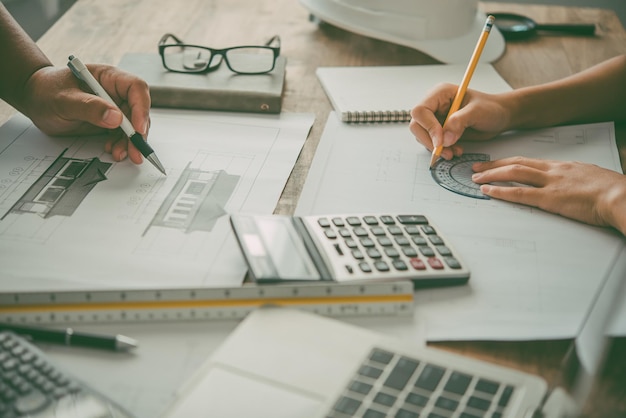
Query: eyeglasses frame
{"type": "Point", "coordinates": [218, 52]}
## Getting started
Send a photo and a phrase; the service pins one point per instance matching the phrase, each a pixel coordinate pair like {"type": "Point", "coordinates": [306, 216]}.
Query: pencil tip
{"type": "Point", "coordinates": [433, 160]}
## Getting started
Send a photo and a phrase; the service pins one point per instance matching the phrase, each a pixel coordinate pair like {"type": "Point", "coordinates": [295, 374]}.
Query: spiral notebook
{"type": "Point", "coordinates": [387, 93]}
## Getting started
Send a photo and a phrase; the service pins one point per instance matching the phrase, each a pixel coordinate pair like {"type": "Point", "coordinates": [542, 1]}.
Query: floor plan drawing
{"type": "Point", "coordinates": [40, 189]}
{"type": "Point", "coordinates": [61, 187]}
{"type": "Point", "coordinates": [196, 201]}
{"type": "Point", "coordinates": [127, 225]}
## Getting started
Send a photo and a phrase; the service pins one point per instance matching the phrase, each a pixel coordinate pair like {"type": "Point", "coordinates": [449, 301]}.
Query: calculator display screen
{"type": "Point", "coordinates": [279, 241]}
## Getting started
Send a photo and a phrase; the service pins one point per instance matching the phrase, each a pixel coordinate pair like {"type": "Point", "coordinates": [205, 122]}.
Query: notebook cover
{"type": "Point", "coordinates": [218, 90]}
{"type": "Point", "coordinates": [373, 94]}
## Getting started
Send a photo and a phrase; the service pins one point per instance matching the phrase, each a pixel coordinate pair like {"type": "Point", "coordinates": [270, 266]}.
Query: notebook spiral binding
{"type": "Point", "coordinates": [379, 116]}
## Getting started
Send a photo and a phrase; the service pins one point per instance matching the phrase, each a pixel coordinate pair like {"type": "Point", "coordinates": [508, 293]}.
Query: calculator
{"type": "Point", "coordinates": [348, 248]}
{"type": "Point", "coordinates": [32, 386]}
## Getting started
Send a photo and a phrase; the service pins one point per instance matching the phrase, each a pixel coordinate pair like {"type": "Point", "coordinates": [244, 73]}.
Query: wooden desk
{"type": "Point", "coordinates": [100, 31]}
{"type": "Point", "coordinates": [103, 32]}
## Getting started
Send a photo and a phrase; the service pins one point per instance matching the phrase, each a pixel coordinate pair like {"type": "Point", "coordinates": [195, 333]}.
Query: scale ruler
{"type": "Point", "coordinates": [379, 298]}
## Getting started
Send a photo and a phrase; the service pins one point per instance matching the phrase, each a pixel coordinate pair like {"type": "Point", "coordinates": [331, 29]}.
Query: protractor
{"type": "Point", "coordinates": [456, 174]}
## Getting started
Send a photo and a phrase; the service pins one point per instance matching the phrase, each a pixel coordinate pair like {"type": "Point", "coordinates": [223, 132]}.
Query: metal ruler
{"type": "Point", "coordinates": [376, 298]}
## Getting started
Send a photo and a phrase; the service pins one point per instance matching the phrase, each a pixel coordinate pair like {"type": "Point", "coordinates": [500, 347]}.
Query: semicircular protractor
{"type": "Point", "coordinates": [456, 174]}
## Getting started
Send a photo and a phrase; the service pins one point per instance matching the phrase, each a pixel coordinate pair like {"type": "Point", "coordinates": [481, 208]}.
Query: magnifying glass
{"type": "Point", "coordinates": [514, 26]}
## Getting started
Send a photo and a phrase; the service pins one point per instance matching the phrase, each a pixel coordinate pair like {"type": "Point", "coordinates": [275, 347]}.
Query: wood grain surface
{"type": "Point", "coordinates": [102, 31]}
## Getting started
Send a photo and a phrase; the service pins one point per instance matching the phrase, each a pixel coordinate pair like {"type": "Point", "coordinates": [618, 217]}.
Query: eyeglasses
{"type": "Point", "coordinates": [184, 58]}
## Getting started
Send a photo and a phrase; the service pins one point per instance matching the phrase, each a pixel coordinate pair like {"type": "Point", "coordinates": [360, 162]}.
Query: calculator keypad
{"type": "Point", "coordinates": [361, 247]}
{"type": "Point", "coordinates": [31, 386]}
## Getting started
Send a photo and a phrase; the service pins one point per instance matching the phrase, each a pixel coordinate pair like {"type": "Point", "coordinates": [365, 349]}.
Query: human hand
{"type": "Point", "coordinates": [581, 191]}
{"type": "Point", "coordinates": [481, 116]}
{"type": "Point", "coordinates": [59, 104]}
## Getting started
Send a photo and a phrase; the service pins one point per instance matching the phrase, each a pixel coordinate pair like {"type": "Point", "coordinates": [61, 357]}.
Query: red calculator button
{"type": "Point", "coordinates": [418, 264]}
{"type": "Point", "coordinates": [435, 263]}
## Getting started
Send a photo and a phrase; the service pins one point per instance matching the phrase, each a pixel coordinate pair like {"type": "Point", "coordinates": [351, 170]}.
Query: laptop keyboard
{"type": "Point", "coordinates": [392, 385]}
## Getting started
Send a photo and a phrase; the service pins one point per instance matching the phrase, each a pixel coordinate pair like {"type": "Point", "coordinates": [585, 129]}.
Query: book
{"type": "Point", "coordinates": [387, 93]}
{"type": "Point", "coordinates": [221, 89]}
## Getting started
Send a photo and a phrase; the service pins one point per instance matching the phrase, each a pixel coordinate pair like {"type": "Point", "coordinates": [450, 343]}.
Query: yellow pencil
{"type": "Point", "coordinates": [460, 93]}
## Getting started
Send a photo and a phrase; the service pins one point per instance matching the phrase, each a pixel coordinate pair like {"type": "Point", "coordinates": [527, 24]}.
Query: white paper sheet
{"type": "Point", "coordinates": [532, 273]}
{"type": "Point", "coordinates": [128, 226]}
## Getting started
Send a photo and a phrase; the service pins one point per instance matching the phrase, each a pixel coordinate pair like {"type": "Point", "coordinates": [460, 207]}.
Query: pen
{"type": "Point", "coordinates": [82, 73]}
{"type": "Point", "coordinates": [460, 93]}
{"type": "Point", "coordinates": [70, 337]}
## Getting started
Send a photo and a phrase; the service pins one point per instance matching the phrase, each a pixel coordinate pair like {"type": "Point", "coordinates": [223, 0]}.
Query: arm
{"type": "Point", "coordinates": [584, 192]}
{"type": "Point", "coordinates": [55, 100]}
{"type": "Point", "coordinates": [597, 94]}
{"type": "Point", "coordinates": [21, 58]}
{"type": "Point", "coordinates": [580, 191]}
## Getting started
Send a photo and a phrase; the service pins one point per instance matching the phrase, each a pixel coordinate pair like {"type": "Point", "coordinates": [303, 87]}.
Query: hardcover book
{"type": "Point", "coordinates": [220, 89]}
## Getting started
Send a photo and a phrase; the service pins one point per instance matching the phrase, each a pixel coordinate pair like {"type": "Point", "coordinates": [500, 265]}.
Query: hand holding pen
{"type": "Point", "coordinates": [81, 72]}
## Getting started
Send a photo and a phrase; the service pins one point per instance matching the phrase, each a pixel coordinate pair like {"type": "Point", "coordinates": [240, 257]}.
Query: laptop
{"type": "Point", "coordinates": [288, 363]}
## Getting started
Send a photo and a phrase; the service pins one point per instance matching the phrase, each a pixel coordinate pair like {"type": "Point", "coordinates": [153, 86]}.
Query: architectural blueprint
{"type": "Point", "coordinates": [532, 273]}
{"type": "Point", "coordinates": [71, 218]}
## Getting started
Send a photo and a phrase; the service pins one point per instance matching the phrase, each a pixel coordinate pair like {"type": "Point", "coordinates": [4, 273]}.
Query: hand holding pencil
{"type": "Point", "coordinates": [482, 115]}
{"type": "Point", "coordinates": [462, 89]}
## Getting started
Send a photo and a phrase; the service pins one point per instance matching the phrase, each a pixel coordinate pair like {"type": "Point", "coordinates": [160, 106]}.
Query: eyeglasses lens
{"type": "Point", "coordinates": [186, 58]}
{"type": "Point", "coordinates": [249, 60]}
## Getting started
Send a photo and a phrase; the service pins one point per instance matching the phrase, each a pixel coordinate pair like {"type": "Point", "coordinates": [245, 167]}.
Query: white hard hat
{"type": "Point", "coordinates": [447, 30]}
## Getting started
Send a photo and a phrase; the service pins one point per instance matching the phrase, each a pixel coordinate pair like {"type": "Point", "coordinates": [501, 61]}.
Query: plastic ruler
{"type": "Point", "coordinates": [375, 298]}
{"type": "Point", "coordinates": [456, 174]}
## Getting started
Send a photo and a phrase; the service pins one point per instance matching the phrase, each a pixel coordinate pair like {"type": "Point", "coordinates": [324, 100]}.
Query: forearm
{"type": "Point", "coordinates": [594, 95]}
{"type": "Point", "coordinates": [20, 59]}
{"type": "Point", "coordinates": [614, 204]}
